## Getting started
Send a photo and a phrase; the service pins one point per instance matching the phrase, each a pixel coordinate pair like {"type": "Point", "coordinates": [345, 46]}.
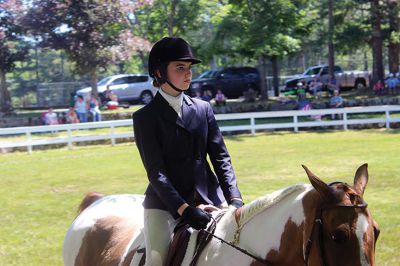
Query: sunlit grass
{"type": "Point", "coordinates": [39, 193]}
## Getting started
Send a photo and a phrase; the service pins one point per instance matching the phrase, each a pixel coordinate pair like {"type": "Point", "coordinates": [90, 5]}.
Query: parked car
{"type": "Point", "coordinates": [127, 87]}
{"type": "Point", "coordinates": [344, 79]}
{"type": "Point", "coordinates": [232, 81]}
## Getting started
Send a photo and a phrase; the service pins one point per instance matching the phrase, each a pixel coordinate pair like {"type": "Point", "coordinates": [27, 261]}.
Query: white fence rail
{"type": "Point", "coordinates": [248, 122]}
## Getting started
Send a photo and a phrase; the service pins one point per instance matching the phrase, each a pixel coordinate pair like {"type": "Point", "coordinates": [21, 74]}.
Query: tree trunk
{"type": "Point", "coordinates": [171, 18]}
{"type": "Point", "coordinates": [275, 74]}
{"type": "Point", "coordinates": [263, 87]}
{"type": "Point", "coordinates": [377, 42]}
{"type": "Point", "coordinates": [93, 82]}
{"type": "Point", "coordinates": [394, 46]}
{"type": "Point", "coordinates": [5, 98]}
{"type": "Point", "coordinates": [331, 51]}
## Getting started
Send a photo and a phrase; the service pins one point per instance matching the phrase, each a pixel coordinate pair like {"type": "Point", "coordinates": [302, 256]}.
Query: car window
{"type": "Point", "coordinates": [231, 73]}
{"type": "Point", "coordinates": [137, 79]}
{"type": "Point", "coordinates": [103, 81]}
{"type": "Point", "coordinates": [208, 74]}
{"type": "Point", "coordinates": [325, 71]}
{"type": "Point", "coordinates": [249, 72]}
{"type": "Point", "coordinates": [312, 71]}
{"type": "Point", "coordinates": [119, 81]}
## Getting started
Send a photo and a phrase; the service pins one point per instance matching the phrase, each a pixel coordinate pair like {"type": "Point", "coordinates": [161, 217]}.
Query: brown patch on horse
{"type": "Point", "coordinates": [105, 243]}
{"type": "Point", "coordinates": [288, 252]}
{"type": "Point", "coordinates": [88, 200]}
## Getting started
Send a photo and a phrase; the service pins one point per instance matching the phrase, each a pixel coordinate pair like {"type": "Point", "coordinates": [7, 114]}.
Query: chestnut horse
{"type": "Point", "coordinates": [317, 224]}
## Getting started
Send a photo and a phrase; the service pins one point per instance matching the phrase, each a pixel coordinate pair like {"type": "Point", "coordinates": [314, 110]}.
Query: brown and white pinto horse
{"type": "Point", "coordinates": [315, 224]}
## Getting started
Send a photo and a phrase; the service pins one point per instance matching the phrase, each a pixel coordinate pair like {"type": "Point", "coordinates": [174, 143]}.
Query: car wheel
{"type": "Point", "coordinates": [360, 86]}
{"type": "Point", "coordinates": [146, 97]}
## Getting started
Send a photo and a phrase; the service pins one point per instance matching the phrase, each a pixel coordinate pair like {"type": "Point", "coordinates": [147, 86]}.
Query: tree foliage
{"type": "Point", "coordinates": [13, 48]}
{"type": "Point", "coordinates": [93, 33]}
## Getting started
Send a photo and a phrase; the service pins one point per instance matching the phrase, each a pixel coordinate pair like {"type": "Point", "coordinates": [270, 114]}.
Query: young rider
{"type": "Point", "coordinates": [174, 134]}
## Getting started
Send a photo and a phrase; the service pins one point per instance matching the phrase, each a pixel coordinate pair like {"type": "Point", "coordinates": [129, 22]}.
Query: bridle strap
{"type": "Point", "coordinates": [317, 227]}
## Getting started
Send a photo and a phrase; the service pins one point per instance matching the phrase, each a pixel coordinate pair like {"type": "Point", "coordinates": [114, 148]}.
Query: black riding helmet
{"type": "Point", "coordinates": [166, 50]}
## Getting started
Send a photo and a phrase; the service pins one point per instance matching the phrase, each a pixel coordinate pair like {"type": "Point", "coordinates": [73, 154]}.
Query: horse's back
{"type": "Point", "coordinates": [103, 231]}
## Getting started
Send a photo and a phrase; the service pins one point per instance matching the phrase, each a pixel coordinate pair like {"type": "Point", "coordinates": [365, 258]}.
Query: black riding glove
{"type": "Point", "coordinates": [236, 203]}
{"type": "Point", "coordinates": [196, 218]}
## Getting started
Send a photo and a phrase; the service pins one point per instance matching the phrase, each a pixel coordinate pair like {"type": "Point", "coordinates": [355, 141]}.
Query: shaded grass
{"type": "Point", "coordinates": [40, 192]}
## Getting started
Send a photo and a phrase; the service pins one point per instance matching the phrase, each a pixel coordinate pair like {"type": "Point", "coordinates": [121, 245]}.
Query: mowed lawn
{"type": "Point", "coordinates": [39, 193]}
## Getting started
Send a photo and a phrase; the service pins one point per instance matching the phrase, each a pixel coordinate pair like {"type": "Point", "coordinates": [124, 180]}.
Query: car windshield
{"type": "Point", "coordinates": [103, 81]}
{"type": "Point", "coordinates": [208, 74]}
{"type": "Point", "coordinates": [312, 71]}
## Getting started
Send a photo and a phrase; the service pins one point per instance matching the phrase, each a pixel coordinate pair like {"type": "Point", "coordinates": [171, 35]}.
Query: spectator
{"type": "Point", "coordinates": [332, 85]}
{"type": "Point", "coordinates": [316, 87]}
{"type": "Point", "coordinates": [198, 95]}
{"type": "Point", "coordinates": [220, 98]}
{"type": "Point", "coordinates": [110, 99]}
{"type": "Point", "coordinates": [207, 95]}
{"type": "Point", "coordinates": [300, 88]}
{"type": "Point", "coordinates": [379, 87]}
{"type": "Point", "coordinates": [303, 103]}
{"type": "Point", "coordinates": [51, 117]}
{"type": "Point", "coordinates": [392, 82]}
{"type": "Point", "coordinates": [71, 116]}
{"type": "Point", "coordinates": [336, 101]}
{"type": "Point", "coordinates": [94, 110]}
{"type": "Point", "coordinates": [81, 109]}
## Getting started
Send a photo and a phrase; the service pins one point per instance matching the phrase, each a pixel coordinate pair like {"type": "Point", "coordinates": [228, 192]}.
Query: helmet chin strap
{"type": "Point", "coordinates": [173, 86]}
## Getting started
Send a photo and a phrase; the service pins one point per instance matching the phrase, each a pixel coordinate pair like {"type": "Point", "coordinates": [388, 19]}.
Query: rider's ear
{"type": "Point", "coordinates": [323, 189]}
{"type": "Point", "coordinates": [361, 179]}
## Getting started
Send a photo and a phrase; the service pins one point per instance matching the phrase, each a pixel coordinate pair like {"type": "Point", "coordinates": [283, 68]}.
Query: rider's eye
{"type": "Point", "coordinates": [341, 235]}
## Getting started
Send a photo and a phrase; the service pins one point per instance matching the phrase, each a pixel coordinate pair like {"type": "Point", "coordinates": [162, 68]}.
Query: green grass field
{"type": "Point", "coordinates": [39, 193]}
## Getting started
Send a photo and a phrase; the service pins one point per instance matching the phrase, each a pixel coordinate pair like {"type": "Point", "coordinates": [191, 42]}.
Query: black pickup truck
{"type": "Point", "coordinates": [232, 81]}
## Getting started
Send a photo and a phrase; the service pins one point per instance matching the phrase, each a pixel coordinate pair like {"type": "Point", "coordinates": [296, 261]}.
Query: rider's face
{"type": "Point", "coordinates": [180, 74]}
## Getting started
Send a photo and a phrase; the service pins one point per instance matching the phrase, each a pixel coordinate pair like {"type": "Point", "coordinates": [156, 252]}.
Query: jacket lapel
{"type": "Point", "coordinates": [169, 113]}
{"type": "Point", "coordinates": [188, 111]}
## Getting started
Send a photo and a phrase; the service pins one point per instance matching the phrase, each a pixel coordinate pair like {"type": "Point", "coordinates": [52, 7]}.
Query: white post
{"type": "Point", "coordinates": [295, 121]}
{"type": "Point", "coordinates": [252, 124]}
{"type": "Point", "coordinates": [112, 135]}
{"type": "Point", "coordinates": [344, 120]}
{"type": "Point", "coordinates": [387, 115]}
{"type": "Point", "coordinates": [29, 139]}
{"type": "Point", "coordinates": [69, 139]}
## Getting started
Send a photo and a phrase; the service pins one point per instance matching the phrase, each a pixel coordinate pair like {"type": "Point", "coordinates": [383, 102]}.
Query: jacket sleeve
{"type": "Point", "coordinates": [220, 158]}
{"type": "Point", "coordinates": [150, 151]}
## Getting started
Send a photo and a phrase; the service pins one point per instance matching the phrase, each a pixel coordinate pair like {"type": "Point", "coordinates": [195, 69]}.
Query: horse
{"type": "Point", "coordinates": [304, 224]}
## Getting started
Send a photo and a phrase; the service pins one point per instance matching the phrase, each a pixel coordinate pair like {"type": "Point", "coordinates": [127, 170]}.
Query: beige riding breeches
{"type": "Point", "coordinates": [158, 230]}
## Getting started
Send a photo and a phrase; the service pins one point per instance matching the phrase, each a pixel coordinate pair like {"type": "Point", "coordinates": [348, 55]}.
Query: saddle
{"type": "Point", "coordinates": [180, 241]}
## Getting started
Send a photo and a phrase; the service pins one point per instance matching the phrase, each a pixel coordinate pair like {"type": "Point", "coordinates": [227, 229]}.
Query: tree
{"type": "Point", "coordinates": [377, 41]}
{"type": "Point", "coordinates": [262, 29]}
{"type": "Point", "coordinates": [93, 33]}
{"type": "Point", "coordinates": [331, 49]}
{"type": "Point", "coordinates": [12, 46]}
{"type": "Point", "coordinates": [394, 35]}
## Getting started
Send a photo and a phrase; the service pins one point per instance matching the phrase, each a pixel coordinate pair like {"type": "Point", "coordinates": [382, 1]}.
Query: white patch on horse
{"type": "Point", "coordinates": [115, 205]}
{"type": "Point", "coordinates": [361, 230]}
{"type": "Point", "coordinates": [267, 235]}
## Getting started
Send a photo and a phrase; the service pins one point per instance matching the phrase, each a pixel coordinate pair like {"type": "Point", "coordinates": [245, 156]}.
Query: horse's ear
{"type": "Point", "coordinates": [361, 179]}
{"type": "Point", "coordinates": [319, 185]}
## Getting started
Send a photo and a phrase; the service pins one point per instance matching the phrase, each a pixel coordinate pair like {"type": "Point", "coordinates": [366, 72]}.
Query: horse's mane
{"type": "Point", "coordinates": [255, 207]}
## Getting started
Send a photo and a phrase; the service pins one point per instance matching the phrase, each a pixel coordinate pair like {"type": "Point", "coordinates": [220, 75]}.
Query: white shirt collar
{"type": "Point", "coordinates": [174, 102]}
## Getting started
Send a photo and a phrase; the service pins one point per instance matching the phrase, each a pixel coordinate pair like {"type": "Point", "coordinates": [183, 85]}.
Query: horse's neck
{"type": "Point", "coordinates": [261, 225]}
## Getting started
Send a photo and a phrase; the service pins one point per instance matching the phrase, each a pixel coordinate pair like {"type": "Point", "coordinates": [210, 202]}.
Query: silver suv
{"type": "Point", "coordinates": [127, 87]}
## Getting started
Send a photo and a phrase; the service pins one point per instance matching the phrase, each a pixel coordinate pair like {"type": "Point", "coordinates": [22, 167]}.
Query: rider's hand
{"type": "Point", "coordinates": [196, 218]}
{"type": "Point", "coordinates": [236, 203]}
